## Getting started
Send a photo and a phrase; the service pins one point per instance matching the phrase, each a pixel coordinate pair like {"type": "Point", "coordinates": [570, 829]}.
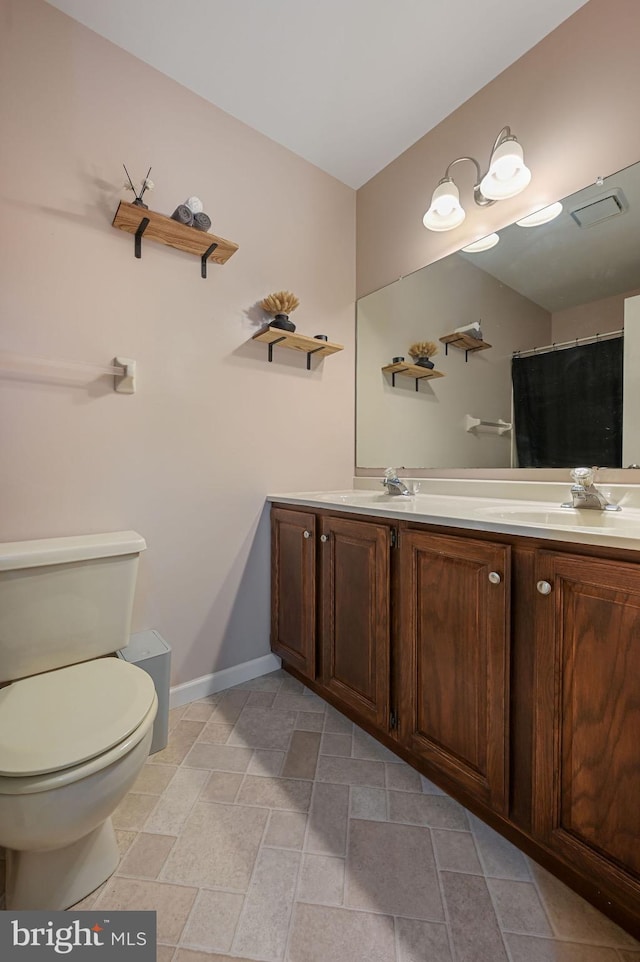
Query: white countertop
{"type": "Point", "coordinates": [521, 508]}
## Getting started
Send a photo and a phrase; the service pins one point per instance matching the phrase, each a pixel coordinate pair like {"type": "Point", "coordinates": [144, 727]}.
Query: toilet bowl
{"type": "Point", "coordinates": [76, 723]}
{"type": "Point", "coordinates": [81, 736]}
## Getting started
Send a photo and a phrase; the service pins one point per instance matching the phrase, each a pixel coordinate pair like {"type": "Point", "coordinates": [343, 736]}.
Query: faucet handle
{"type": "Point", "coordinates": [583, 476]}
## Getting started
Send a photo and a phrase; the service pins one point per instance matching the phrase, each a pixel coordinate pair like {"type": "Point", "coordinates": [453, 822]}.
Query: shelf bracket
{"type": "Point", "coordinates": [203, 260]}
{"type": "Point", "coordinates": [271, 343]}
{"type": "Point", "coordinates": [393, 377]}
{"type": "Point", "coordinates": [137, 243]}
{"type": "Point", "coordinates": [309, 353]}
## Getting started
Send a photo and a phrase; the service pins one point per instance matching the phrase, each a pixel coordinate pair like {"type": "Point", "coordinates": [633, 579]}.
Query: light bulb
{"type": "Point", "coordinates": [484, 244]}
{"type": "Point", "coordinates": [445, 212]}
{"type": "Point", "coordinates": [508, 174]}
{"type": "Point", "coordinates": [542, 216]}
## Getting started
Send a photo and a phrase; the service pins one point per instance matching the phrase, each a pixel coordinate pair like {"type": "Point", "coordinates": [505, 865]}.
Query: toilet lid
{"type": "Point", "coordinates": [62, 718]}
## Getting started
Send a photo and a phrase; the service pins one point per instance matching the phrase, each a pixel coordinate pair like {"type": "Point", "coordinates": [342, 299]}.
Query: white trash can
{"type": "Point", "coordinates": [149, 651]}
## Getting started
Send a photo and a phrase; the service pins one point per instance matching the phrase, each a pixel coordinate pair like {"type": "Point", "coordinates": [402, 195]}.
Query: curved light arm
{"type": "Point", "coordinates": [458, 160]}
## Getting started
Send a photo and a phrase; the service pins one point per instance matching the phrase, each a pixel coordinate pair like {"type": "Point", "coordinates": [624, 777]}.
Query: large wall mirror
{"type": "Point", "coordinates": [573, 279]}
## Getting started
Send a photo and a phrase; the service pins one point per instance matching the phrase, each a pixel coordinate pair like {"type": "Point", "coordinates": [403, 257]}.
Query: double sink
{"type": "Point", "coordinates": [541, 518]}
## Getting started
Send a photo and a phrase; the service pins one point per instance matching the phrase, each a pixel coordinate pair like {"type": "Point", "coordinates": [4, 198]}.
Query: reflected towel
{"type": "Point", "coordinates": [473, 330]}
{"type": "Point", "coordinates": [202, 221]}
{"type": "Point", "coordinates": [183, 215]}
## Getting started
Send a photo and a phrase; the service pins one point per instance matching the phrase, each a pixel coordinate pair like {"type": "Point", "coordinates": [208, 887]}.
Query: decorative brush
{"type": "Point", "coordinates": [282, 302]}
{"type": "Point", "coordinates": [423, 349]}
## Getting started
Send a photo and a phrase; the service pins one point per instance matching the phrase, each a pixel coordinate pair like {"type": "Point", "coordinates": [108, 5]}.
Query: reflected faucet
{"type": "Point", "coordinates": [394, 485]}
{"type": "Point", "coordinates": [584, 493]}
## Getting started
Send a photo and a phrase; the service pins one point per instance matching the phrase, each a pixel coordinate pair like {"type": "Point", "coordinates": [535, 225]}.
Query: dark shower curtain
{"type": "Point", "coordinates": [568, 406]}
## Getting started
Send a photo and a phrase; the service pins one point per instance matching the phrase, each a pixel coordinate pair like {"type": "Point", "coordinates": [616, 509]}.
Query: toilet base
{"type": "Point", "coordinates": [58, 878]}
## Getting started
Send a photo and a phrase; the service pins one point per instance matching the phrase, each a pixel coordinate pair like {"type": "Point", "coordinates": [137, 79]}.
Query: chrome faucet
{"type": "Point", "coordinates": [584, 493]}
{"type": "Point", "coordinates": [394, 485]}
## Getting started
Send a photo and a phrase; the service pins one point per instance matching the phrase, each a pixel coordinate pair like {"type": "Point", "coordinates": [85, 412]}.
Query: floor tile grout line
{"type": "Point", "coordinates": [498, 920]}
{"type": "Point", "coordinates": [250, 882]}
{"type": "Point", "coordinates": [445, 905]}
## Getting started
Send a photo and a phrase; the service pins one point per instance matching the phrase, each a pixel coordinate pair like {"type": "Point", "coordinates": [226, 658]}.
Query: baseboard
{"type": "Point", "coordinates": [219, 680]}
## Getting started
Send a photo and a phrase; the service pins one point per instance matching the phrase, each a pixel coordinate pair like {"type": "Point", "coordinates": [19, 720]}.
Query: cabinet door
{"type": "Point", "coordinates": [293, 588]}
{"type": "Point", "coordinates": [355, 615]}
{"type": "Point", "coordinates": [454, 659]}
{"type": "Point", "coordinates": [587, 732]}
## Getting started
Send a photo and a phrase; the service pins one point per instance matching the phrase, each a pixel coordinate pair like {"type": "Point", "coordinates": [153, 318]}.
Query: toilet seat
{"type": "Point", "coordinates": [61, 719]}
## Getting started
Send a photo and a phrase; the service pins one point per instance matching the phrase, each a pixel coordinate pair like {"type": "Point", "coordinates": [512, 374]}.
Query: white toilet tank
{"type": "Point", "coordinates": [65, 600]}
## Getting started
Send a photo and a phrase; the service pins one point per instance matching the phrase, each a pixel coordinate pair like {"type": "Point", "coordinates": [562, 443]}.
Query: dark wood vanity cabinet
{"type": "Point", "coordinates": [512, 671]}
{"type": "Point", "coordinates": [293, 588]}
{"type": "Point", "coordinates": [586, 786]}
{"type": "Point", "coordinates": [454, 659]}
{"type": "Point", "coordinates": [355, 615]}
{"type": "Point", "coordinates": [330, 581]}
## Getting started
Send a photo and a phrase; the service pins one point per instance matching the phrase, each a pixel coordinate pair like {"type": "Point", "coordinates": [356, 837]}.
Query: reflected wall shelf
{"type": "Point", "coordinates": [411, 370]}
{"type": "Point", "coordinates": [138, 221]}
{"type": "Point", "coordinates": [296, 342]}
{"type": "Point", "coordinates": [463, 342]}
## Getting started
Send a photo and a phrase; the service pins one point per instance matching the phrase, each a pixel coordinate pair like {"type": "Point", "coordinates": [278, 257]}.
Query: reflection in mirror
{"type": "Point", "coordinates": [539, 289]}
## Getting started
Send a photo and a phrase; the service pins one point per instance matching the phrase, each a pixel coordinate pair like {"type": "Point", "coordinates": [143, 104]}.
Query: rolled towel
{"type": "Point", "coordinates": [183, 215]}
{"type": "Point", "coordinates": [473, 330]}
{"type": "Point", "coordinates": [194, 204]}
{"type": "Point", "coordinates": [202, 221]}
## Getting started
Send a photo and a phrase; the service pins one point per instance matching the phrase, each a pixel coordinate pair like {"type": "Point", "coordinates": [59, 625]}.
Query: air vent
{"type": "Point", "coordinates": [600, 208]}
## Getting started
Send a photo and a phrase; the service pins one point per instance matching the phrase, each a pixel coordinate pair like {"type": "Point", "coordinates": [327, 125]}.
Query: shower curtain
{"type": "Point", "coordinates": [568, 406]}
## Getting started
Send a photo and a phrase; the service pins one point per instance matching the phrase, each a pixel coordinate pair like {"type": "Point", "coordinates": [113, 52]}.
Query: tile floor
{"type": "Point", "coordinates": [272, 828]}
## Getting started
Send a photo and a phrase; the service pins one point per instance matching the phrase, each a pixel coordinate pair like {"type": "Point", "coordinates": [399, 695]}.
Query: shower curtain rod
{"type": "Point", "coordinates": [562, 345]}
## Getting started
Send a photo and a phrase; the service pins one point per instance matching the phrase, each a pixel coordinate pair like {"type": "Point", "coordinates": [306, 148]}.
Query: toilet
{"type": "Point", "coordinates": [76, 722]}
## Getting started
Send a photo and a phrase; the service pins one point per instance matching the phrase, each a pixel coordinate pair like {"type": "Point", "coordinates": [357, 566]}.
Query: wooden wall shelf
{"type": "Point", "coordinates": [138, 221]}
{"type": "Point", "coordinates": [296, 342]}
{"type": "Point", "coordinates": [464, 342]}
{"type": "Point", "coordinates": [411, 370]}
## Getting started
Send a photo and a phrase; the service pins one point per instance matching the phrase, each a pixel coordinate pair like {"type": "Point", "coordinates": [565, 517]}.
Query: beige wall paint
{"type": "Point", "coordinates": [586, 320]}
{"type": "Point", "coordinates": [397, 426]}
{"type": "Point", "coordinates": [570, 101]}
{"type": "Point", "coordinates": [188, 459]}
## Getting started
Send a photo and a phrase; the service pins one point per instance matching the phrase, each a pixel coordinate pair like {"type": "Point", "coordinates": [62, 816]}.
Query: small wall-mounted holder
{"type": "Point", "coordinates": [125, 383]}
{"type": "Point", "coordinates": [464, 342]}
{"type": "Point", "coordinates": [500, 426]}
{"type": "Point", "coordinates": [319, 344]}
{"type": "Point", "coordinates": [410, 370]}
{"type": "Point", "coordinates": [142, 222]}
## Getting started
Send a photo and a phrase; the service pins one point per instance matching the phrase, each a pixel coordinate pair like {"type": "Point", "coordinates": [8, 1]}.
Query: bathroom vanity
{"type": "Point", "coordinates": [494, 644]}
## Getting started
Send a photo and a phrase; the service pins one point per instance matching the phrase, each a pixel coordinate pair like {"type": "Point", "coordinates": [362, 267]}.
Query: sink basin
{"type": "Point", "coordinates": [356, 498]}
{"type": "Point", "coordinates": [553, 516]}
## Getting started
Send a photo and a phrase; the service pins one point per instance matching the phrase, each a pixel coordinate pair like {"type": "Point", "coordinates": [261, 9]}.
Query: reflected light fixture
{"type": "Point", "coordinates": [507, 176]}
{"type": "Point", "coordinates": [542, 216]}
{"type": "Point", "coordinates": [484, 244]}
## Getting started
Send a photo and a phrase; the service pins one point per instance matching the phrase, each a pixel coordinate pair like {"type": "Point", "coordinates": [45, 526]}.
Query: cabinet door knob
{"type": "Point", "coordinates": [324, 537]}
{"type": "Point", "coordinates": [306, 534]}
{"type": "Point", "coordinates": [494, 578]}
{"type": "Point", "coordinates": [544, 587]}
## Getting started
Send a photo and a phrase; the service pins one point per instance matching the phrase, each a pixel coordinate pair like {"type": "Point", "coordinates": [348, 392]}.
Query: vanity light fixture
{"type": "Point", "coordinates": [507, 176]}
{"type": "Point", "coordinates": [543, 216]}
{"type": "Point", "coordinates": [484, 244]}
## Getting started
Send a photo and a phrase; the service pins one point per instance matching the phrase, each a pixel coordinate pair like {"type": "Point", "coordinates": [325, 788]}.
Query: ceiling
{"type": "Point", "coordinates": [346, 84]}
{"type": "Point", "coordinates": [560, 265]}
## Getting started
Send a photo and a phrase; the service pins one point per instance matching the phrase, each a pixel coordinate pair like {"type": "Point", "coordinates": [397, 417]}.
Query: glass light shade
{"type": "Point", "coordinates": [507, 174]}
{"type": "Point", "coordinates": [445, 211]}
{"type": "Point", "coordinates": [484, 244]}
{"type": "Point", "coordinates": [542, 216]}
